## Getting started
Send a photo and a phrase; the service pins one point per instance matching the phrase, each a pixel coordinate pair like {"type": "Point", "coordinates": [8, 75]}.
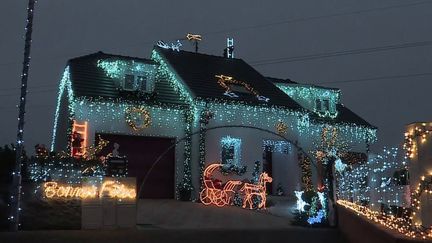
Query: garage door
{"type": "Point", "coordinates": [142, 152]}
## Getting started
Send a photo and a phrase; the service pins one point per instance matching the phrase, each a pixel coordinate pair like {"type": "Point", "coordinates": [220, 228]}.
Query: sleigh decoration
{"type": "Point", "coordinates": [219, 194]}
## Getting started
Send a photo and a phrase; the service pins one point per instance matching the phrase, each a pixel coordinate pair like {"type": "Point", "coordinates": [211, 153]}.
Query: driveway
{"type": "Point", "coordinates": [172, 214]}
{"type": "Point", "coordinates": [176, 221]}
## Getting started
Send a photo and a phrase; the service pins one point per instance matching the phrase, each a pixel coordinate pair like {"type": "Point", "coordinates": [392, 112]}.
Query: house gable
{"type": "Point", "coordinates": [323, 103]}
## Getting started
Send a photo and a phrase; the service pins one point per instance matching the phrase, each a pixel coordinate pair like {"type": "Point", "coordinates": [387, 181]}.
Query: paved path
{"type": "Point", "coordinates": [172, 214]}
{"type": "Point", "coordinates": [292, 235]}
{"type": "Point", "coordinates": [176, 221]}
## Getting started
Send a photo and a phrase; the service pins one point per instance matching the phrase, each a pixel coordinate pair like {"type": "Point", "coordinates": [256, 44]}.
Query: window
{"type": "Point", "coordinates": [231, 153]}
{"type": "Point", "coordinates": [135, 82]}
{"type": "Point", "coordinates": [129, 82]}
{"type": "Point", "coordinates": [142, 82]}
{"type": "Point", "coordinates": [228, 155]}
{"type": "Point", "coordinates": [326, 105]}
{"type": "Point", "coordinates": [318, 105]}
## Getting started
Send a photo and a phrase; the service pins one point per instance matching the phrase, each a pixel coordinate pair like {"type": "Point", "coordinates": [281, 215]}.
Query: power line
{"type": "Point", "coordinates": [340, 53]}
{"type": "Point", "coordinates": [320, 17]}
{"type": "Point", "coordinates": [361, 80]}
{"type": "Point", "coordinates": [290, 21]}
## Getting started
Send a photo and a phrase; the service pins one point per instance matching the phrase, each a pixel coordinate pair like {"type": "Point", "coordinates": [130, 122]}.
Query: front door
{"type": "Point", "coordinates": [268, 167]}
{"type": "Point", "coordinates": [141, 153]}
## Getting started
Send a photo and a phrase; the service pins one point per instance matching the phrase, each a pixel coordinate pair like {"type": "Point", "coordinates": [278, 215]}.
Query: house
{"type": "Point", "coordinates": [418, 147]}
{"type": "Point", "coordinates": [185, 110]}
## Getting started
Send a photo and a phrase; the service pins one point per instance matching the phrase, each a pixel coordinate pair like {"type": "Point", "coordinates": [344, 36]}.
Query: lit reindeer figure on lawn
{"type": "Point", "coordinates": [256, 190]}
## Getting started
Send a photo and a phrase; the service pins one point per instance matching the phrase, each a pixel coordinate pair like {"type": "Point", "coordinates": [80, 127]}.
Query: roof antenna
{"type": "Point", "coordinates": [195, 38]}
{"type": "Point", "coordinates": [229, 50]}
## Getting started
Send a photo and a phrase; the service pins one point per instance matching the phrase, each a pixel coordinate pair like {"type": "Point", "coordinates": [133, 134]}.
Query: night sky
{"type": "Point", "coordinates": [263, 30]}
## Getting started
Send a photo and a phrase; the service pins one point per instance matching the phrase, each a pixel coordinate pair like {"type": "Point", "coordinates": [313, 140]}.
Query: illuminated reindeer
{"type": "Point", "coordinates": [256, 190]}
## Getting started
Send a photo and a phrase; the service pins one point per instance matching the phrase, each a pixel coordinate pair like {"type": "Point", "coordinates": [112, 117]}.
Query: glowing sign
{"type": "Point", "coordinates": [109, 188]}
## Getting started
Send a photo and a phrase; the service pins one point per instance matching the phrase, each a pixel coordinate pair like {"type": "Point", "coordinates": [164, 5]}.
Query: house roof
{"type": "Point", "coordinates": [345, 115]}
{"type": "Point", "coordinates": [89, 80]}
{"type": "Point", "coordinates": [198, 72]}
{"type": "Point", "coordinates": [279, 80]}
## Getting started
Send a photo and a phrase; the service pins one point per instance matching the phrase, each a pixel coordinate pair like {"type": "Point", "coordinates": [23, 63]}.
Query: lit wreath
{"type": "Point", "coordinates": [134, 113]}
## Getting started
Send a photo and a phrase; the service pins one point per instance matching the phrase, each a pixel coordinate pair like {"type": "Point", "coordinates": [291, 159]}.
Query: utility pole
{"type": "Point", "coordinates": [16, 184]}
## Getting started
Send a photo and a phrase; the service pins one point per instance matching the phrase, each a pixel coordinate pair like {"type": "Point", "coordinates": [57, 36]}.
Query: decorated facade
{"type": "Point", "coordinates": [176, 113]}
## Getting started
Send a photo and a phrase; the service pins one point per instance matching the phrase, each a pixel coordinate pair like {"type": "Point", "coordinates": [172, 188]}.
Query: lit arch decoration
{"type": "Point", "coordinates": [224, 81]}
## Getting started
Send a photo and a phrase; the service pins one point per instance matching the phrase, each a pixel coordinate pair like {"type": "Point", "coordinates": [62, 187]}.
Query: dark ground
{"type": "Point", "coordinates": [294, 235]}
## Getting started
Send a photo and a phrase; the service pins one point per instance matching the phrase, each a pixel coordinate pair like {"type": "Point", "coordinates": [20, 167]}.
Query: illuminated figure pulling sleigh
{"type": "Point", "coordinates": [220, 195]}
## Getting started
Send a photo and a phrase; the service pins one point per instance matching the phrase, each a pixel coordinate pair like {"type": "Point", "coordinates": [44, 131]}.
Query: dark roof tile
{"type": "Point", "coordinates": [198, 72]}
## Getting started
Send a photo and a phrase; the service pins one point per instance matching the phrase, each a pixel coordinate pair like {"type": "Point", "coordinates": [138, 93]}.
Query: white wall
{"type": "Point", "coordinates": [108, 118]}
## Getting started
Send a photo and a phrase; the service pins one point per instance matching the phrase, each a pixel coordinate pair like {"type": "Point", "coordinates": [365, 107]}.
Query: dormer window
{"type": "Point", "coordinates": [142, 81]}
{"type": "Point", "coordinates": [135, 82]}
{"type": "Point", "coordinates": [318, 105]}
{"type": "Point", "coordinates": [326, 106]}
{"type": "Point", "coordinates": [129, 82]}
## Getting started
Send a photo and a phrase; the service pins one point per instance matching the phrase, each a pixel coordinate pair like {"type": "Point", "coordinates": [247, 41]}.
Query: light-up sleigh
{"type": "Point", "coordinates": [214, 192]}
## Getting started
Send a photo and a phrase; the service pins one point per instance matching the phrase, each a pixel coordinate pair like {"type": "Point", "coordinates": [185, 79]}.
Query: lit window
{"type": "Point", "coordinates": [231, 150]}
